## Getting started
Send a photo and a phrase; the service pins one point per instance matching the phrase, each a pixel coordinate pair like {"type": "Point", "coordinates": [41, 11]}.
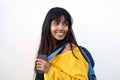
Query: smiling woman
{"type": "Point", "coordinates": [64, 59]}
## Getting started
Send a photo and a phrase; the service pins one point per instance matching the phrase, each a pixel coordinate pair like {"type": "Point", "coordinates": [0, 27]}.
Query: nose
{"type": "Point", "coordinates": [60, 27]}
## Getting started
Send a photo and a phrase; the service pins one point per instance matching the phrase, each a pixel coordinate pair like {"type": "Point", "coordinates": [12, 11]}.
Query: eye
{"type": "Point", "coordinates": [65, 23]}
{"type": "Point", "coordinates": [55, 23]}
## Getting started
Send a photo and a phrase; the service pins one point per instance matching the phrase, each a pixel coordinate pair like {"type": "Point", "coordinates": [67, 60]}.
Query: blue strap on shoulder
{"type": "Point", "coordinates": [91, 73]}
{"type": "Point", "coordinates": [55, 53]}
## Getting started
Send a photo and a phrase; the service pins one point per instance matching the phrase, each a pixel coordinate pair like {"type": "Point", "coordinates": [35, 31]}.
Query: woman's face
{"type": "Point", "coordinates": [59, 28]}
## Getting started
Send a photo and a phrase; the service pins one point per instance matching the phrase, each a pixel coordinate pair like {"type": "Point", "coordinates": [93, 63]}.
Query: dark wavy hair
{"type": "Point", "coordinates": [46, 43]}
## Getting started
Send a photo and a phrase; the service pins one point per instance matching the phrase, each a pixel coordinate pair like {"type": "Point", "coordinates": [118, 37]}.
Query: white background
{"type": "Point", "coordinates": [96, 26]}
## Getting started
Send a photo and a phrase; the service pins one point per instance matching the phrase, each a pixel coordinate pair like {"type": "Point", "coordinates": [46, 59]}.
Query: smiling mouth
{"type": "Point", "coordinates": [60, 33]}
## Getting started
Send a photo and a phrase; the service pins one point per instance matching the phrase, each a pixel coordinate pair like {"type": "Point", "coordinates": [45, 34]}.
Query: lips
{"type": "Point", "coordinates": [60, 33]}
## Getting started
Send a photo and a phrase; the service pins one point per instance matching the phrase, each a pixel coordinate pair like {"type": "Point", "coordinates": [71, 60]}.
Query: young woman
{"type": "Point", "coordinates": [68, 64]}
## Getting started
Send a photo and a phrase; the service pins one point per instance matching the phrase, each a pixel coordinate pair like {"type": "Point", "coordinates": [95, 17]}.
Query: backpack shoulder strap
{"type": "Point", "coordinates": [55, 52]}
{"type": "Point", "coordinates": [89, 59]}
{"type": "Point", "coordinates": [87, 55]}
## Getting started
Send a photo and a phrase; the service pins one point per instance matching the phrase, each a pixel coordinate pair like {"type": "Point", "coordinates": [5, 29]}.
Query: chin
{"type": "Point", "coordinates": [59, 39]}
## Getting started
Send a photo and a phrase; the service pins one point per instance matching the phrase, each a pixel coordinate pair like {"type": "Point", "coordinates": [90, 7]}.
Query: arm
{"type": "Point", "coordinates": [51, 72]}
{"type": "Point", "coordinates": [56, 74]}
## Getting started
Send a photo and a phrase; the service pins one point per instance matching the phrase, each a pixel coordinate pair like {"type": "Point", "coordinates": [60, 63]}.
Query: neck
{"type": "Point", "coordinates": [54, 42]}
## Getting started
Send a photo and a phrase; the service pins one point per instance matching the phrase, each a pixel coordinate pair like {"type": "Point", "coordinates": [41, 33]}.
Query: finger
{"type": "Point", "coordinates": [37, 60]}
{"type": "Point", "coordinates": [38, 67]}
{"type": "Point", "coordinates": [40, 60]}
{"type": "Point", "coordinates": [38, 63]}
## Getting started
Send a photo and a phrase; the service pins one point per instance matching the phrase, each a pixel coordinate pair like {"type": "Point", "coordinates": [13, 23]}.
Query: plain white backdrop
{"type": "Point", "coordinates": [96, 26]}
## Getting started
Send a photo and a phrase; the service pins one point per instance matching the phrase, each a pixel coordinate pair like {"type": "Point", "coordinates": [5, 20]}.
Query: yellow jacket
{"type": "Point", "coordinates": [66, 66]}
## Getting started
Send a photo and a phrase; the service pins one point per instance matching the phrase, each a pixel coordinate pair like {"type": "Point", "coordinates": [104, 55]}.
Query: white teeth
{"type": "Point", "coordinates": [59, 33]}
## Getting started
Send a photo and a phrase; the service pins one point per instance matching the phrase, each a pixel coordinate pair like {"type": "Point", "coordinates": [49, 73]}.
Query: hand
{"type": "Point", "coordinates": [42, 65]}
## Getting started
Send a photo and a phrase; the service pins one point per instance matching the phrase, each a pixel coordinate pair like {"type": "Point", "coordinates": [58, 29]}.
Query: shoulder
{"type": "Point", "coordinates": [68, 47]}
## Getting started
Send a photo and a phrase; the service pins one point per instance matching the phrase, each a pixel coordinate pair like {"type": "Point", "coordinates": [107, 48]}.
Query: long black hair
{"type": "Point", "coordinates": [46, 43]}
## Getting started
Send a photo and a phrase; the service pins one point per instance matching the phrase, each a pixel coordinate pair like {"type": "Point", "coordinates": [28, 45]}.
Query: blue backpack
{"type": "Point", "coordinates": [91, 63]}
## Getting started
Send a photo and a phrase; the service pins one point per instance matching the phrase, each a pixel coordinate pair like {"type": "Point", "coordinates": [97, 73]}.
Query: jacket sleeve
{"type": "Point", "coordinates": [56, 74]}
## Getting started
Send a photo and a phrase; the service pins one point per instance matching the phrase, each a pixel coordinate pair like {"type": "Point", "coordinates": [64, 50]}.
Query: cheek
{"type": "Point", "coordinates": [52, 30]}
{"type": "Point", "coordinates": [66, 29]}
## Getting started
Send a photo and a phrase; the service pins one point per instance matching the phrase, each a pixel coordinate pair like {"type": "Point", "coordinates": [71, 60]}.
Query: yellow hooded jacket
{"type": "Point", "coordinates": [66, 66]}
